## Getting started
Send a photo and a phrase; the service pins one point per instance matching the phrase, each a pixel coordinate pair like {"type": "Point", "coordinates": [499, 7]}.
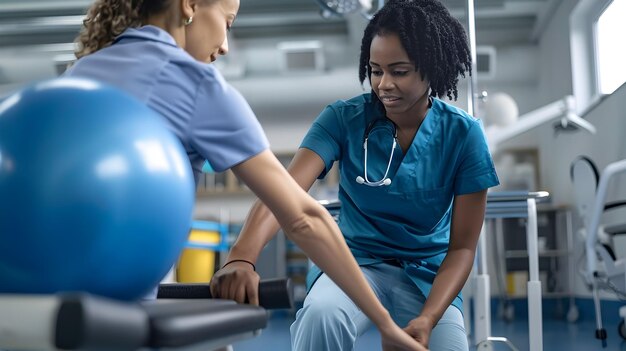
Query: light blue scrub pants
{"type": "Point", "coordinates": [330, 321]}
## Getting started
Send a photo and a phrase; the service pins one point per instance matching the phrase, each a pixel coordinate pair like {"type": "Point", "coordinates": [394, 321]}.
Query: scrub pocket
{"type": "Point", "coordinates": [431, 205]}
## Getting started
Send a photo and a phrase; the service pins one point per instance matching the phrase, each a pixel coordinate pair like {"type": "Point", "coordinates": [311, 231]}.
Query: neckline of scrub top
{"type": "Point", "coordinates": [148, 32]}
{"type": "Point", "coordinates": [423, 135]}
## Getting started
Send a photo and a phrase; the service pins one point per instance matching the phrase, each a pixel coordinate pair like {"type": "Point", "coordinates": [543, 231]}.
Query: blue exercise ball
{"type": "Point", "coordinates": [96, 194]}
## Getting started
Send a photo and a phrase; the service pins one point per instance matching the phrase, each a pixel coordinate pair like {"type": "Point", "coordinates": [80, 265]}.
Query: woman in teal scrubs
{"type": "Point", "coordinates": [414, 174]}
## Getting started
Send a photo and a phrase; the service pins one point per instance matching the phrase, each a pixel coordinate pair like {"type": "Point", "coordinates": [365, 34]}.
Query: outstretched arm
{"type": "Point", "coordinates": [312, 228]}
{"type": "Point", "coordinates": [237, 280]}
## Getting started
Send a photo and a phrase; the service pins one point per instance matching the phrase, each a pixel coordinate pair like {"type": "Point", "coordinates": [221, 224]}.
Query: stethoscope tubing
{"type": "Point", "coordinates": [384, 181]}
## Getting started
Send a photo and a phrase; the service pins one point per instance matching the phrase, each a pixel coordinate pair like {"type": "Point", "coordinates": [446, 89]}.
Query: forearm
{"type": "Point", "coordinates": [320, 238]}
{"type": "Point", "coordinates": [310, 226]}
{"type": "Point", "coordinates": [260, 227]}
{"type": "Point", "coordinates": [451, 277]}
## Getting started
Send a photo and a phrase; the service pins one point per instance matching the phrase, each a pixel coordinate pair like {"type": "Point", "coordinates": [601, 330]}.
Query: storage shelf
{"type": "Point", "coordinates": [543, 253]}
{"type": "Point", "coordinates": [555, 258]}
{"type": "Point", "coordinates": [225, 193]}
{"type": "Point", "coordinates": [227, 184]}
{"type": "Point", "coordinates": [549, 294]}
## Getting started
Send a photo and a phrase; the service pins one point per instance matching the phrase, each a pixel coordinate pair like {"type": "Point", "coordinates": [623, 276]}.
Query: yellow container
{"type": "Point", "coordinates": [197, 265]}
{"type": "Point", "coordinates": [516, 283]}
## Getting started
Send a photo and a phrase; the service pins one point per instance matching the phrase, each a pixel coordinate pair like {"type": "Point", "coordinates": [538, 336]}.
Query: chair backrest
{"type": "Point", "coordinates": [584, 176]}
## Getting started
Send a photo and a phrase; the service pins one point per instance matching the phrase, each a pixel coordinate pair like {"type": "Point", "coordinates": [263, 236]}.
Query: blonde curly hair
{"type": "Point", "coordinates": [105, 20]}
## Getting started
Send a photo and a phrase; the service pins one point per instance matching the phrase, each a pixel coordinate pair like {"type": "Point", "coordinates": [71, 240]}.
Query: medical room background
{"type": "Point", "coordinates": [548, 84]}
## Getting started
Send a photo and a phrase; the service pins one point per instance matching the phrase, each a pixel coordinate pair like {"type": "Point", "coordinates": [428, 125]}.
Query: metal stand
{"type": "Point", "coordinates": [510, 205]}
{"type": "Point", "coordinates": [487, 343]}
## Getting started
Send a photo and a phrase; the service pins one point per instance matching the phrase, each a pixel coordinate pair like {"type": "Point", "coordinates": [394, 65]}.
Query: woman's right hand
{"type": "Point", "coordinates": [237, 281]}
{"type": "Point", "coordinates": [396, 339]}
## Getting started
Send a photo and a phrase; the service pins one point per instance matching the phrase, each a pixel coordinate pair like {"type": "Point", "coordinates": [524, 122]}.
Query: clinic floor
{"type": "Point", "coordinates": [558, 334]}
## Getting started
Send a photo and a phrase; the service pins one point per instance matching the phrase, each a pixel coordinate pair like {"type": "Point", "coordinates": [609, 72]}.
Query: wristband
{"type": "Point", "coordinates": [229, 262]}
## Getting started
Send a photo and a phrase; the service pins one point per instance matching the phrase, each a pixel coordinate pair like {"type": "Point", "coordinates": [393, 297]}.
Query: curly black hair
{"type": "Point", "coordinates": [434, 40]}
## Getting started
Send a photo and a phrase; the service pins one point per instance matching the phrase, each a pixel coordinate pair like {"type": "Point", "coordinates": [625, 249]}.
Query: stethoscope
{"type": "Point", "coordinates": [385, 180]}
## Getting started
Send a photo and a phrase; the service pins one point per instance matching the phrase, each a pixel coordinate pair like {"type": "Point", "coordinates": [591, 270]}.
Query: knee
{"type": "Point", "coordinates": [322, 314]}
{"type": "Point", "coordinates": [448, 336]}
{"type": "Point", "coordinates": [323, 326]}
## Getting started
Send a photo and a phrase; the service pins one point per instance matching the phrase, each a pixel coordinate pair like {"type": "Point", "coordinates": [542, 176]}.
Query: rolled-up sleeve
{"type": "Point", "coordinates": [476, 170]}
{"type": "Point", "coordinates": [323, 138]}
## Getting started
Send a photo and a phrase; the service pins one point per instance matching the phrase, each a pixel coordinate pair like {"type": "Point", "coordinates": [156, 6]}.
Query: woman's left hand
{"type": "Point", "coordinates": [420, 328]}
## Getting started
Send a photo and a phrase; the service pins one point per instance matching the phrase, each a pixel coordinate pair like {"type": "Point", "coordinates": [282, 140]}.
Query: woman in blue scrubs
{"type": "Point", "coordinates": [159, 51]}
{"type": "Point", "coordinates": [414, 174]}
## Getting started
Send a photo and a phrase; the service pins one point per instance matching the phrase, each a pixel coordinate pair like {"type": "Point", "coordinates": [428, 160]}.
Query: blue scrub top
{"type": "Point", "coordinates": [210, 117]}
{"type": "Point", "coordinates": [409, 220]}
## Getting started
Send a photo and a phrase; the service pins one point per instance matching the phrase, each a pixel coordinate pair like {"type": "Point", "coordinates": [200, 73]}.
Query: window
{"type": "Point", "coordinates": [610, 50]}
{"type": "Point", "coordinates": [594, 37]}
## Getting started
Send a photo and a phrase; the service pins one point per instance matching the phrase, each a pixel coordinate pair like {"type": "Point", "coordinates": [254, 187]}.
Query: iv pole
{"type": "Point", "coordinates": [482, 312]}
{"type": "Point", "coordinates": [481, 289]}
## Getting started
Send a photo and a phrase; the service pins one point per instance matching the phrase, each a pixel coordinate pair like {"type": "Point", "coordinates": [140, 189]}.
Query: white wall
{"type": "Point", "coordinates": [555, 69]}
{"type": "Point", "coordinates": [556, 151]}
{"type": "Point", "coordinates": [19, 68]}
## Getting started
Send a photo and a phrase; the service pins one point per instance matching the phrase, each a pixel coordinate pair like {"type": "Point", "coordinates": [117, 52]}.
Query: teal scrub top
{"type": "Point", "coordinates": [407, 221]}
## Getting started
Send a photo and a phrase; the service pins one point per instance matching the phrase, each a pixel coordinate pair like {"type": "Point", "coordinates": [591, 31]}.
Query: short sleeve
{"type": "Point", "coordinates": [476, 171]}
{"type": "Point", "coordinates": [224, 129]}
{"type": "Point", "coordinates": [323, 138]}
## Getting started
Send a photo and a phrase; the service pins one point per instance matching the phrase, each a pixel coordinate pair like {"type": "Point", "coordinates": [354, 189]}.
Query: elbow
{"type": "Point", "coordinates": [308, 225]}
{"type": "Point", "coordinates": [300, 227]}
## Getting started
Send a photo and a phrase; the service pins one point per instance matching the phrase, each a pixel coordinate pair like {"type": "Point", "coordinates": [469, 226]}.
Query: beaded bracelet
{"type": "Point", "coordinates": [229, 262]}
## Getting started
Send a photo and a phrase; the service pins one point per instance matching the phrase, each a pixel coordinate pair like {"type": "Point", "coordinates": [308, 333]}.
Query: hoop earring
{"type": "Point", "coordinates": [189, 20]}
